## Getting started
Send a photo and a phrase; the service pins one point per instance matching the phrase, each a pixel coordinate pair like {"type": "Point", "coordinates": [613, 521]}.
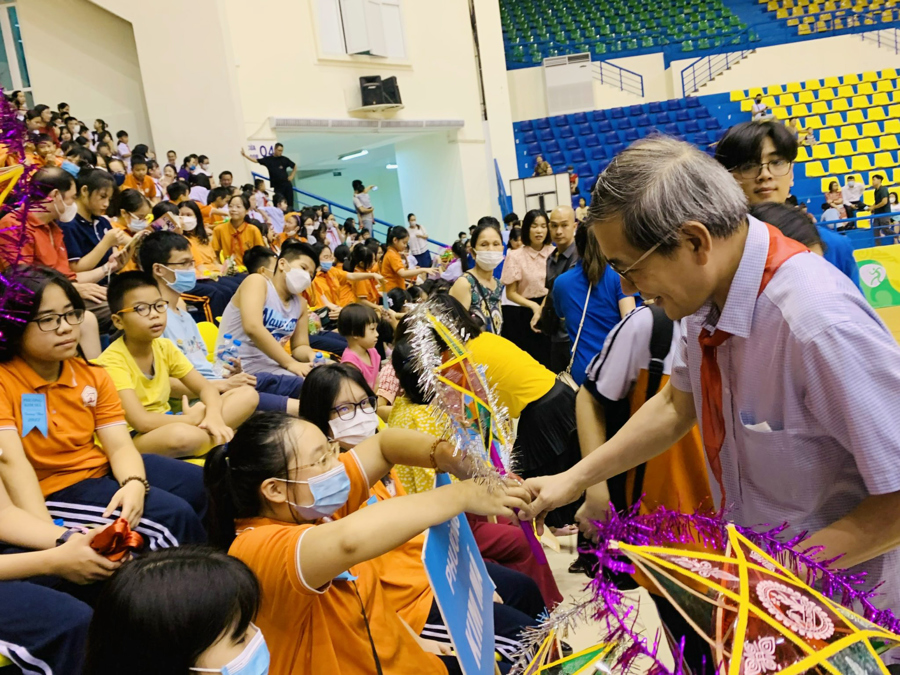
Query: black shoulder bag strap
{"type": "Point", "coordinates": [660, 344]}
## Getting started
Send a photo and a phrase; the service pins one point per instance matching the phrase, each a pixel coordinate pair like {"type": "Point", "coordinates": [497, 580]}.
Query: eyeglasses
{"type": "Point", "coordinates": [347, 411]}
{"type": "Point", "coordinates": [50, 322]}
{"type": "Point", "coordinates": [624, 273]}
{"type": "Point", "coordinates": [143, 308]}
{"type": "Point", "coordinates": [186, 265]}
{"type": "Point", "coordinates": [777, 167]}
{"type": "Point", "coordinates": [332, 451]}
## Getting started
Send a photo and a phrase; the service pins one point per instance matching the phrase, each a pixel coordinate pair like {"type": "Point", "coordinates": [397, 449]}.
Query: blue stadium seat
{"type": "Point", "coordinates": [545, 135]}
{"type": "Point", "coordinates": [693, 102]}
{"type": "Point", "coordinates": [533, 149]}
{"type": "Point", "coordinates": [584, 170]}
{"type": "Point", "coordinates": [672, 129]}
{"type": "Point", "coordinates": [616, 113]}
{"type": "Point", "coordinates": [583, 130]}
{"type": "Point", "coordinates": [566, 132]}
{"type": "Point", "coordinates": [529, 137]}
{"type": "Point", "coordinates": [611, 137]}
{"type": "Point", "coordinates": [616, 148]}
{"type": "Point", "coordinates": [577, 156]}
{"type": "Point", "coordinates": [598, 116]}
{"type": "Point", "coordinates": [571, 144]}
{"type": "Point", "coordinates": [542, 123]}
{"type": "Point", "coordinates": [674, 104]}
{"type": "Point", "coordinates": [598, 153]}
{"type": "Point", "coordinates": [712, 123]}
{"type": "Point", "coordinates": [682, 116]}
{"type": "Point", "coordinates": [591, 141]}
{"type": "Point", "coordinates": [557, 160]}
{"type": "Point", "coordinates": [701, 113]}
{"type": "Point", "coordinates": [654, 107]}
{"type": "Point", "coordinates": [603, 127]}
{"type": "Point", "coordinates": [643, 121]}
{"type": "Point", "coordinates": [635, 110]}
{"type": "Point", "coordinates": [551, 146]}
{"type": "Point", "coordinates": [631, 135]}
{"type": "Point", "coordinates": [580, 118]}
{"type": "Point", "coordinates": [624, 123]}
{"type": "Point", "coordinates": [559, 121]}
{"type": "Point", "coordinates": [702, 138]}
{"type": "Point", "coordinates": [526, 126]}
{"type": "Point", "coordinates": [663, 118]}
{"type": "Point", "coordinates": [691, 127]}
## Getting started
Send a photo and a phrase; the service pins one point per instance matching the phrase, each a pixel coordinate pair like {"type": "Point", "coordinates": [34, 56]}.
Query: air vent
{"type": "Point", "coordinates": [570, 83]}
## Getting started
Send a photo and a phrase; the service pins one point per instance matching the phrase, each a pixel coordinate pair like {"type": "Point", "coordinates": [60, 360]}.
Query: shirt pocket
{"type": "Point", "coordinates": [774, 465]}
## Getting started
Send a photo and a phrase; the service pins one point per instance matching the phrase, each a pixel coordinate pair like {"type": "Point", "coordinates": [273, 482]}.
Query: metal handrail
{"type": "Point", "coordinates": [335, 205]}
{"type": "Point", "coordinates": [625, 77]}
{"type": "Point", "coordinates": [713, 61]}
{"type": "Point", "coordinates": [894, 33]}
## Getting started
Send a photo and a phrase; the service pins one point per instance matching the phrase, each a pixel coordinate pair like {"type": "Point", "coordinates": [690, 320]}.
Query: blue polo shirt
{"type": "Point", "coordinates": [569, 293]}
{"type": "Point", "coordinates": [81, 236]}
{"type": "Point", "coordinates": [839, 252]}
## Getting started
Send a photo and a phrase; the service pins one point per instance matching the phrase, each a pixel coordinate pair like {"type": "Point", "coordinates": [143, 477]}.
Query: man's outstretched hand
{"type": "Point", "coordinates": [548, 493]}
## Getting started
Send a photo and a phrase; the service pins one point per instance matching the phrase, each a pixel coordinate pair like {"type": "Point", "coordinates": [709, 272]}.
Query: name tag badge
{"type": "Point", "coordinates": [34, 414]}
{"type": "Point", "coordinates": [345, 576]}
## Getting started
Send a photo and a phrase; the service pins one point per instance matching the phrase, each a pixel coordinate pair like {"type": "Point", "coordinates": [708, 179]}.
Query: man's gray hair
{"type": "Point", "coordinates": [658, 184]}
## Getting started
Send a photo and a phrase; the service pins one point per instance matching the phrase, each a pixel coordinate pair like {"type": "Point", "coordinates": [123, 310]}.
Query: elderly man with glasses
{"type": "Point", "coordinates": [792, 377]}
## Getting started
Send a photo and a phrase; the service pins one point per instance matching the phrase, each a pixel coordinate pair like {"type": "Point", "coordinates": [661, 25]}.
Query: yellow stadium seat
{"type": "Point", "coordinates": [775, 90]}
{"type": "Point", "coordinates": [770, 6]}
{"type": "Point", "coordinates": [754, 91]}
{"type": "Point", "coordinates": [802, 154]}
{"type": "Point", "coordinates": [851, 79]}
{"type": "Point", "coordinates": [865, 89]}
{"type": "Point", "coordinates": [888, 74]}
{"type": "Point", "coordinates": [865, 145]}
{"type": "Point", "coordinates": [812, 85]}
{"type": "Point", "coordinates": [855, 117]}
{"type": "Point", "coordinates": [875, 114]}
{"type": "Point", "coordinates": [888, 143]}
{"type": "Point", "coordinates": [815, 169]}
{"type": "Point", "coordinates": [881, 99]}
{"type": "Point", "coordinates": [860, 101]}
{"type": "Point", "coordinates": [781, 14]}
{"type": "Point", "coordinates": [830, 6]}
{"type": "Point", "coordinates": [210, 333]}
{"type": "Point", "coordinates": [892, 126]}
{"type": "Point", "coordinates": [832, 82]}
{"type": "Point", "coordinates": [884, 85]}
{"type": "Point", "coordinates": [894, 111]}
{"type": "Point", "coordinates": [806, 97]}
{"type": "Point", "coordinates": [738, 95]}
{"type": "Point", "coordinates": [870, 76]}
{"type": "Point", "coordinates": [786, 100]}
{"type": "Point", "coordinates": [868, 196]}
{"type": "Point", "coordinates": [793, 22]}
{"type": "Point", "coordinates": [820, 108]}
{"type": "Point", "coordinates": [821, 151]}
{"type": "Point", "coordinates": [884, 160]}
{"type": "Point", "coordinates": [769, 101]}
{"type": "Point", "coordinates": [827, 136]}
{"type": "Point", "coordinates": [838, 23]}
{"type": "Point", "coordinates": [747, 105]}
{"type": "Point", "coordinates": [863, 224]}
{"type": "Point", "coordinates": [826, 94]}
{"type": "Point", "coordinates": [849, 133]}
{"type": "Point", "coordinates": [895, 97]}
{"type": "Point", "coordinates": [843, 148]}
{"type": "Point", "coordinates": [833, 120]}
{"type": "Point", "coordinates": [800, 110]}
{"type": "Point", "coordinates": [780, 113]}
{"type": "Point", "coordinates": [837, 166]}
{"type": "Point", "coordinates": [840, 105]}
{"type": "Point", "coordinates": [871, 129]}
{"type": "Point", "coordinates": [846, 91]}
{"type": "Point", "coordinates": [793, 87]}
{"type": "Point", "coordinates": [827, 181]}
{"type": "Point", "coordinates": [861, 163]}
{"type": "Point", "coordinates": [813, 122]}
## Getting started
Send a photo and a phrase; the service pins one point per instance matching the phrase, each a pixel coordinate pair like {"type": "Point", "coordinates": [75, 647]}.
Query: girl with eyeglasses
{"type": "Point", "coordinates": [295, 510]}
{"type": "Point", "coordinates": [67, 453]}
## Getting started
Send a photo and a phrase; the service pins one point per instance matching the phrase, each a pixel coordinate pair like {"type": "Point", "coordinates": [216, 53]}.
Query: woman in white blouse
{"type": "Point", "coordinates": [524, 274]}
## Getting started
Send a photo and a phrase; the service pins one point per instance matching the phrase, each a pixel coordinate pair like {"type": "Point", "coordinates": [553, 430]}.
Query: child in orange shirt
{"type": "Point", "coordinates": [276, 482]}
{"type": "Point", "coordinates": [393, 265]}
{"type": "Point", "coordinates": [131, 209]}
{"type": "Point", "coordinates": [215, 211]}
{"type": "Point", "coordinates": [139, 180]}
{"type": "Point", "coordinates": [362, 259]}
{"type": "Point", "coordinates": [333, 284]}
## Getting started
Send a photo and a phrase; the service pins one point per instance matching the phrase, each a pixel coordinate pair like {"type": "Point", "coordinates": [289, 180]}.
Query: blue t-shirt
{"type": "Point", "coordinates": [839, 252]}
{"type": "Point", "coordinates": [569, 293]}
{"type": "Point", "coordinates": [182, 330]}
{"type": "Point", "coordinates": [81, 236]}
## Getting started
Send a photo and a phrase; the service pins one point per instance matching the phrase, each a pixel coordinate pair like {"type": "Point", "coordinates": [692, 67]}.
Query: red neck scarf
{"type": "Point", "coordinates": [780, 249]}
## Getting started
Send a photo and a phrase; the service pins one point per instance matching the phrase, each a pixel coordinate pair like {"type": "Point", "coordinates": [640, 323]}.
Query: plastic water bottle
{"type": "Point", "coordinates": [221, 349]}
{"type": "Point", "coordinates": [319, 359]}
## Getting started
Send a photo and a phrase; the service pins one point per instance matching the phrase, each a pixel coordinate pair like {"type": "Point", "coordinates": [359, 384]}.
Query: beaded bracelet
{"type": "Point", "coordinates": [434, 446]}
{"type": "Point", "coordinates": [137, 478]}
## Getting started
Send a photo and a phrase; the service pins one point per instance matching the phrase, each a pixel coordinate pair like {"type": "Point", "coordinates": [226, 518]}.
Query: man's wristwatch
{"type": "Point", "coordinates": [65, 536]}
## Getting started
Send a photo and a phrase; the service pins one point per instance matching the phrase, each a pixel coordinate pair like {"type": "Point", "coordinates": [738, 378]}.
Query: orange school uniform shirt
{"type": "Point", "coordinates": [147, 187]}
{"type": "Point", "coordinates": [368, 288]}
{"type": "Point", "coordinates": [321, 630]}
{"type": "Point", "coordinates": [82, 400]}
{"type": "Point", "coordinates": [210, 218]}
{"type": "Point", "coordinates": [205, 258]}
{"type": "Point", "coordinates": [40, 244]}
{"type": "Point", "coordinates": [391, 264]}
{"type": "Point", "coordinates": [230, 241]}
{"type": "Point", "coordinates": [334, 286]}
{"type": "Point", "coordinates": [131, 265]}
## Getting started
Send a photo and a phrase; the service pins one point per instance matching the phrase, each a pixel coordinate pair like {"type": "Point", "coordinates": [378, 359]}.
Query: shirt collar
{"type": "Point", "coordinates": [568, 253]}
{"type": "Point", "coordinates": [736, 316]}
{"type": "Point", "coordinates": [534, 255]}
{"type": "Point", "coordinates": [35, 381]}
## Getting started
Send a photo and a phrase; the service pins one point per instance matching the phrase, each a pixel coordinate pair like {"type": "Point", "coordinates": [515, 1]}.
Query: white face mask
{"type": "Point", "coordinates": [488, 260]}
{"type": "Point", "coordinates": [297, 280]}
{"type": "Point", "coordinates": [136, 224]}
{"type": "Point", "coordinates": [67, 212]}
{"type": "Point", "coordinates": [355, 431]}
{"type": "Point", "coordinates": [188, 223]}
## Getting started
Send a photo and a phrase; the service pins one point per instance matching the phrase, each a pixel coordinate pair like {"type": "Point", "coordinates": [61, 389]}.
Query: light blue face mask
{"type": "Point", "coordinates": [70, 168]}
{"type": "Point", "coordinates": [185, 280]}
{"type": "Point", "coordinates": [254, 660]}
{"type": "Point", "coordinates": [330, 492]}
{"type": "Point", "coordinates": [326, 265]}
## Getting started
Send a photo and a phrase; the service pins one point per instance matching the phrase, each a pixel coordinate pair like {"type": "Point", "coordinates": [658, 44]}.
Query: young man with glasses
{"type": "Point", "coordinates": [773, 365]}
{"type": "Point", "coordinates": [141, 364]}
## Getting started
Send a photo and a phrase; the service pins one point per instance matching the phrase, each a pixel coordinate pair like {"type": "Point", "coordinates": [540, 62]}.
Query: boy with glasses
{"type": "Point", "coordinates": [141, 364]}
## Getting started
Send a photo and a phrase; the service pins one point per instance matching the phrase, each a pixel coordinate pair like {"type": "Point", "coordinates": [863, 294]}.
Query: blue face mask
{"type": "Point", "coordinates": [71, 168]}
{"type": "Point", "coordinates": [326, 265]}
{"type": "Point", "coordinates": [119, 178]}
{"type": "Point", "coordinates": [185, 280]}
{"type": "Point", "coordinates": [330, 492]}
{"type": "Point", "coordinates": [254, 660]}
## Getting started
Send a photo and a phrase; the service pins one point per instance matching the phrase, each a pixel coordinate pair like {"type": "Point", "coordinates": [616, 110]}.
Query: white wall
{"type": "Point", "coordinates": [386, 199]}
{"type": "Point", "coordinates": [85, 56]}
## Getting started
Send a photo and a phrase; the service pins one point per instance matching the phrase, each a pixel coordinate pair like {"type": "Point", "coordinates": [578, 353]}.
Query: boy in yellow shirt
{"type": "Point", "coordinates": [144, 366]}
